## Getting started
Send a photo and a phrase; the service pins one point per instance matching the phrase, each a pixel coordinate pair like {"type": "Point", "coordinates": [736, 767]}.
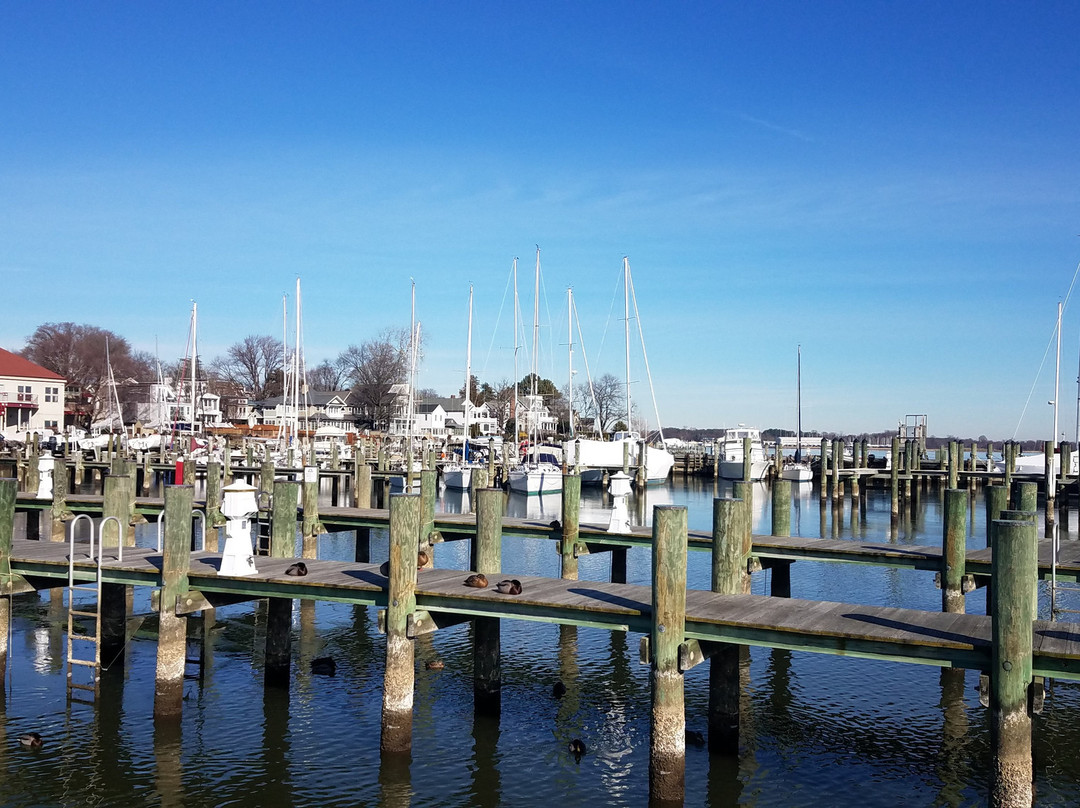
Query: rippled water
{"type": "Point", "coordinates": [818, 730]}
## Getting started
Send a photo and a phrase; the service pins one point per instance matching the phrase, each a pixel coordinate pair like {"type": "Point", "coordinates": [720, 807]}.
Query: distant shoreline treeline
{"type": "Point", "coordinates": [883, 438]}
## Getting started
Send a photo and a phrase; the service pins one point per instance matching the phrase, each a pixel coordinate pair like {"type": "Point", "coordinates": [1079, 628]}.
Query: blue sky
{"type": "Point", "coordinates": [894, 186]}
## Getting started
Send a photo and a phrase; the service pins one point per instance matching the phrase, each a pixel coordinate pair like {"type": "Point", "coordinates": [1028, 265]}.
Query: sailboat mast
{"type": "Point", "coordinates": [194, 357]}
{"type": "Point", "coordinates": [798, 406]}
{"type": "Point", "coordinates": [468, 381]}
{"type": "Point", "coordinates": [283, 427]}
{"type": "Point", "coordinates": [1052, 484]}
{"type": "Point", "coordinates": [570, 355]}
{"type": "Point", "coordinates": [517, 425]}
{"type": "Point", "coordinates": [626, 337]}
{"type": "Point", "coordinates": [296, 366]}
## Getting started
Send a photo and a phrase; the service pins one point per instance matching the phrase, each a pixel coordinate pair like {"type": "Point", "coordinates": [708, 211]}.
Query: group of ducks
{"type": "Point", "coordinates": [510, 586]}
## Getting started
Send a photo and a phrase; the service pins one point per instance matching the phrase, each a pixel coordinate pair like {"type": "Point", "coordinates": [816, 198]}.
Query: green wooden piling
{"type": "Point", "coordinates": [172, 628]}
{"type": "Point", "coordinates": [1014, 574]}
{"type": "Point", "coordinates": [9, 489]}
{"type": "Point", "coordinates": [571, 510]}
{"type": "Point", "coordinates": [954, 551]}
{"type": "Point", "coordinates": [266, 475]}
{"type": "Point", "coordinates": [728, 574]}
{"type": "Point", "coordinates": [781, 508]}
{"type": "Point", "coordinates": [362, 483]}
{"type": "Point", "coordinates": [1025, 496]}
{"type": "Point", "coordinates": [61, 514]}
{"type": "Point", "coordinates": [823, 491]}
{"type": "Point", "coordinates": [747, 447]}
{"type": "Point", "coordinates": [745, 492]}
{"type": "Point", "coordinates": [214, 517]}
{"type": "Point", "coordinates": [996, 500]}
{"type": "Point", "coordinates": [312, 528]}
{"type": "Point", "coordinates": [837, 464]}
{"type": "Point", "coordinates": [398, 677]}
{"type": "Point", "coordinates": [894, 480]}
{"type": "Point", "coordinates": [278, 655]}
{"type": "Point", "coordinates": [428, 494]}
{"type": "Point", "coordinates": [487, 558]}
{"type": "Point", "coordinates": [667, 750]}
{"type": "Point", "coordinates": [116, 503]}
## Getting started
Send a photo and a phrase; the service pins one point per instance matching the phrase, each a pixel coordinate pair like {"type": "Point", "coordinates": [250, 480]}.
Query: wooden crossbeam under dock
{"type": "Point", "coordinates": [905, 635]}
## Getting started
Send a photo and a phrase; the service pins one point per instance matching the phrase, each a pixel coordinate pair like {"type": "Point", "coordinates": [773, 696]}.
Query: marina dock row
{"type": "Point", "coordinates": [681, 628]}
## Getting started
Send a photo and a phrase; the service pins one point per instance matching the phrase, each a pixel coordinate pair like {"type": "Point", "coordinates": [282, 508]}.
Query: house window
{"type": "Point", "coordinates": [52, 394]}
{"type": "Point", "coordinates": [50, 424]}
{"type": "Point", "coordinates": [24, 393]}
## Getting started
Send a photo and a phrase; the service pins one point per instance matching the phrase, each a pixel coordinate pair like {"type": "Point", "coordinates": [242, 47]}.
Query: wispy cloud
{"type": "Point", "coordinates": [784, 130]}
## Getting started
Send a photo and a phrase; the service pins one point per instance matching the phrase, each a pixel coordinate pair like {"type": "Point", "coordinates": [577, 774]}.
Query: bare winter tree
{"type": "Point", "coordinates": [77, 352]}
{"type": "Point", "coordinates": [327, 376]}
{"type": "Point", "coordinates": [373, 368]}
{"type": "Point", "coordinates": [604, 401]}
{"type": "Point", "coordinates": [253, 363]}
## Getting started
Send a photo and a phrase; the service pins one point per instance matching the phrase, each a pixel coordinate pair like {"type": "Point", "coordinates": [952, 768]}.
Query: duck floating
{"type": "Point", "coordinates": [558, 690]}
{"type": "Point", "coordinates": [511, 586]}
{"type": "Point", "coordinates": [577, 749]}
{"type": "Point", "coordinates": [31, 739]}
{"type": "Point", "coordinates": [478, 581]}
{"type": "Point", "coordinates": [434, 664]}
{"type": "Point", "coordinates": [323, 666]}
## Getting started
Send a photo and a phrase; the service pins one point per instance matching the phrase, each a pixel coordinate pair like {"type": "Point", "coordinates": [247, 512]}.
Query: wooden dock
{"type": "Point", "coordinates": [899, 635]}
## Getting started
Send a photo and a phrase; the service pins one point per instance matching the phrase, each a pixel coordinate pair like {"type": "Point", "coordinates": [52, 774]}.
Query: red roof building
{"type": "Point", "coordinates": [31, 397]}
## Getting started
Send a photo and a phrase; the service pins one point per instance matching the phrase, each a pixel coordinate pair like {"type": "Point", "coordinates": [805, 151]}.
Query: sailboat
{"type": "Point", "coordinates": [797, 470]}
{"type": "Point", "coordinates": [407, 476]}
{"type": "Point", "coordinates": [599, 456]}
{"type": "Point", "coordinates": [537, 473]}
{"type": "Point", "coordinates": [459, 475]}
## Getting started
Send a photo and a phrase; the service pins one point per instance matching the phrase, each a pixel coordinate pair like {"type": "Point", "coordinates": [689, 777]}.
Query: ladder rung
{"type": "Point", "coordinates": [76, 686]}
{"type": "Point", "coordinates": [80, 613]}
{"type": "Point", "coordinates": [87, 637]}
{"type": "Point", "coordinates": [87, 662]}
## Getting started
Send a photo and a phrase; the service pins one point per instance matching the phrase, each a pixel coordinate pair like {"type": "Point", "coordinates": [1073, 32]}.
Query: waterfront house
{"type": "Point", "coordinates": [31, 397]}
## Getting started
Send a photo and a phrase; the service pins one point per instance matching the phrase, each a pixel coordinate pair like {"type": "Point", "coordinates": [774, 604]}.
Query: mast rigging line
{"type": "Point", "coordinates": [1042, 364]}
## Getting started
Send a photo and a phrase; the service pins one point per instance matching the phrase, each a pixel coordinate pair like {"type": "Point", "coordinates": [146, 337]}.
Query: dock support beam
{"type": "Point", "coordinates": [728, 572]}
{"type": "Point", "coordinates": [996, 500]}
{"type": "Point", "coordinates": [312, 527]}
{"type": "Point", "coordinates": [172, 628]}
{"type": "Point", "coordinates": [1013, 603]}
{"type": "Point", "coordinates": [214, 517]}
{"type": "Point", "coordinates": [362, 481]}
{"type": "Point", "coordinates": [8, 490]}
{"type": "Point", "coordinates": [667, 753]}
{"type": "Point", "coordinates": [399, 676]}
{"type": "Point", "coordinates": [429, 492]}
{"type": "Point", "coordinates": [954, 551]}
{"type": "Point", "coordinates": [487, 642]}
{"type": "Point", "coordinates": [279, 610]}
{"type": "Point", "coordinates": [571, 509]}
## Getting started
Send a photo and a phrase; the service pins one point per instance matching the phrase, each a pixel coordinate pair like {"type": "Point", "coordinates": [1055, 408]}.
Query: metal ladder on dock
{"type": "Point", "coordinates": [78, 657]}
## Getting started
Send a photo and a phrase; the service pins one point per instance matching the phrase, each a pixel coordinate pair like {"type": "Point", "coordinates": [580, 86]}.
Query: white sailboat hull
{"type": "Point", "coordinates": [598, 456]}
{"type": "Point", "coordinates": [530, 480]}
{"type": "Point", "coordinates": [796, 472]}
{"type": "Point", "coordinates": [733, 469]}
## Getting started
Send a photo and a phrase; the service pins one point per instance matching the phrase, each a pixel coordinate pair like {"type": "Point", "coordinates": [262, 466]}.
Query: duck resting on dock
{"type": "Point", "coordinates": [478, 581]}
{"type": "Point", "coordinates": [298, 569]}
{"type": "Point", "coordinates": [422, 559]}
{"type": "Point", "coordinates": [511, 586]}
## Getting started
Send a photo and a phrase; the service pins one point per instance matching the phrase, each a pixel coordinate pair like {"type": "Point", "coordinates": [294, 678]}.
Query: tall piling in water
{"type": "Point", "coordinates": [781, 526]}
{"type": "Point", "coordinates": [172, 628]}
{"type": "Point", "coordinates": [571, 509]}
{"type": "Point", "coordinates": [487, 559]}
{"type": "Point", "coordinates": [954, 551]}
{"type": "Point", "coordinates": [728, 574]}
{"type": "Point", "coordinates": [399, 675]}
{"type": "Point", "coordinates": [667, 751]}
{"type": "Point", "coordinates": [9, 488]}
{"type": "Point", "coordinates": [279, 610]}
{"type": "Point", "coordinates": [1012, 605]}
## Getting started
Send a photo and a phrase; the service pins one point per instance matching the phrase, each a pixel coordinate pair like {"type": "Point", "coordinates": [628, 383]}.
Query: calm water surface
{"type": "Point", "coordinates": [819, 730]}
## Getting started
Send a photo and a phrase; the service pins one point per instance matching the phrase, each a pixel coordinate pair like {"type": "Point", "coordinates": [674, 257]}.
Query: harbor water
{"type": "Point", "coordinates": [818, 730]}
